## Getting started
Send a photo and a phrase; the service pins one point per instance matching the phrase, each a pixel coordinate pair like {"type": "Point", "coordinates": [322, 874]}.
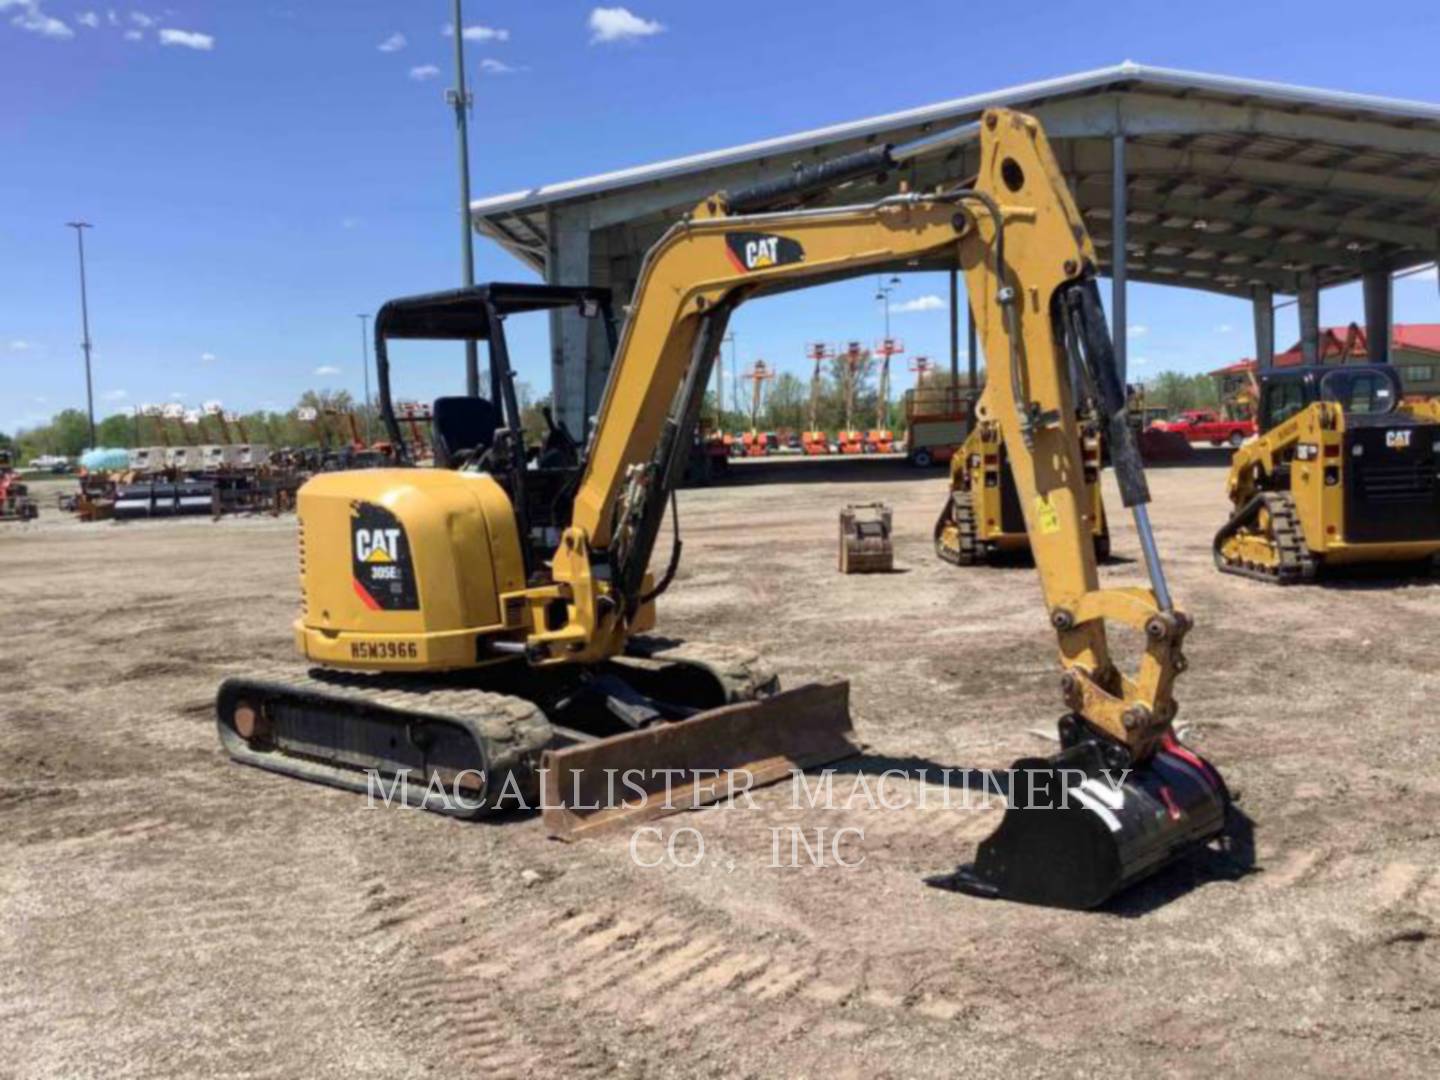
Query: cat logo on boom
{"type": "Point", "coordinates": [760, 251]}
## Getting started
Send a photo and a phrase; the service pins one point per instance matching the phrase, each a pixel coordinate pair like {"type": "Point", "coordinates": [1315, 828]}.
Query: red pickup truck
{"type": "Point", "coordinates": [1207, 425]}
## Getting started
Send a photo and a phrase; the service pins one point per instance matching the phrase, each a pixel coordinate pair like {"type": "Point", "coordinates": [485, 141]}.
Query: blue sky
{"type": "Point", "coordinates": [259, 172]}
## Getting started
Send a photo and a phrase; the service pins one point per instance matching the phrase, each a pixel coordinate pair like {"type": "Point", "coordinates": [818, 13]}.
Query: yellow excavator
{"type": "Point", "coordinates": [982, 517]}
{"type": "Point", "coordinates": [1343, 472]}
{"type": "Point", "coordinates": [486, 627]}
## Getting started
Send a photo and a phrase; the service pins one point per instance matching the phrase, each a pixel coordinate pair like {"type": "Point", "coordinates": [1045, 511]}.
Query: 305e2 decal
{"type": "Point", "coordinates": [380, 559]}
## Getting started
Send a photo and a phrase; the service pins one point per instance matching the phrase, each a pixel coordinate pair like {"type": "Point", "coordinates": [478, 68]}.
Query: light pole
{"type": "Point", "coordinates": [365, 367]}
{"type": "Point", "coordinates": [460, 98]}
{"type": "Point", "coordinates": [729, 339]}
{"type": "Point", "coordinates": [882, 293]}
{"type": "Point", "coordinates": [80, 227]}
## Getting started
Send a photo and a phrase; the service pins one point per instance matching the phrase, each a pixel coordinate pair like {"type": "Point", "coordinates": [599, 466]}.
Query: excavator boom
{"type": "Point", "coordinates": [1030, 269]}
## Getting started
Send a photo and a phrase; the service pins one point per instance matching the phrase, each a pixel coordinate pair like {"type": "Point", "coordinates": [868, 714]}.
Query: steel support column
{"type": "Point", "coordinates": [570, 332]}
{"type": "Point", "coordinates": [1263, 301]}
{"type": "Point", "coordinates": [1378, 315]}
{"type": "Point", "coordinates": [1118, 212]}
{"type": "Point", "coordinates": [1309, 321]}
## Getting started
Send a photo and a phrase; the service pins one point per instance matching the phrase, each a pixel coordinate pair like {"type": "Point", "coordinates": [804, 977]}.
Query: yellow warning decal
{"type": "Point", "coordinates": [1046, 516]}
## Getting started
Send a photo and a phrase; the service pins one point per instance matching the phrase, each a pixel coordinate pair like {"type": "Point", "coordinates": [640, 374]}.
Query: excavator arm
{"type": "Point", "coordinates": [1029, 267]}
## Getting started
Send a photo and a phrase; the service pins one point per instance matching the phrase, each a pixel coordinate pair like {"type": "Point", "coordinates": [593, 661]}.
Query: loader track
{"type": "Point", "coordinates": [959, 513]}
{"type": "Point", "coordinates": [332, 727]}
{"type": "Point", "coordinates": [1294, 564]}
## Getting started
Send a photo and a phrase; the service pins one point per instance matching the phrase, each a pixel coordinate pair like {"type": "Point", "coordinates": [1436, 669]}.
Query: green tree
{"type": "Point", "coordinates": [788, 403]}
{"type": "Point", "coordinates": [1177, 392]}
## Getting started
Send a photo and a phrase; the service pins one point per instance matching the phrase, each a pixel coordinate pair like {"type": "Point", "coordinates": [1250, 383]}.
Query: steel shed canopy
{"type": "Point", "coordinates": [1232, 185]}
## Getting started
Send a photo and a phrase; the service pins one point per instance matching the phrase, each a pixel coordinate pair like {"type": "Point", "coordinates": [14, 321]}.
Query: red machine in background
{"type": "Point", "coordinates": [15, 501]}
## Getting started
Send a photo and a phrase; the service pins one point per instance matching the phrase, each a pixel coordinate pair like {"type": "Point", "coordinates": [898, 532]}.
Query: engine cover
{"type": "Point", "coordinates": [403, 569]}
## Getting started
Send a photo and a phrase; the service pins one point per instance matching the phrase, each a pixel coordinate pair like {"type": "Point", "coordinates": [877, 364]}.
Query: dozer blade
{"type": "Point", "coordinates": [592, 787]}
{"type": "Point", "coordinates": [1091, 832]}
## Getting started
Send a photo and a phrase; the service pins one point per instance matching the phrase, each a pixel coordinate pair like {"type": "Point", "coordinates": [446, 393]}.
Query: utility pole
{"type": "Point", "coordinates": [365, 367]}
{"type": "Point", "coordinates": [80, 227]}
{"type": "Point", "coordinates": [460, 98]}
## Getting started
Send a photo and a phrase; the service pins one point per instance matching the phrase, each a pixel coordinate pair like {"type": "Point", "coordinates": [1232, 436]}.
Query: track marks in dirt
{"type": "Point", "coordinates": [598, 991]}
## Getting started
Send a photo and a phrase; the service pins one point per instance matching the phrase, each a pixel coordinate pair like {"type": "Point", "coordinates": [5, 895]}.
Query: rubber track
{"type": "Point", "coordinates": [1295, 565]}
{"type": "Point", "coordinates": [515, 730]}
{"type": "Point", "coordinates": [959, 511]}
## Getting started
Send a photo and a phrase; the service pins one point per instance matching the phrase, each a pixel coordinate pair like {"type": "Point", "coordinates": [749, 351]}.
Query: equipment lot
{"type": "Point", "coordinates": [164, 912]}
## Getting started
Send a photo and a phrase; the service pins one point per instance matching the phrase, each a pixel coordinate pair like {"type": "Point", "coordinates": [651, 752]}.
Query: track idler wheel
{"type": "Point", "coordinates": [1084, 825]}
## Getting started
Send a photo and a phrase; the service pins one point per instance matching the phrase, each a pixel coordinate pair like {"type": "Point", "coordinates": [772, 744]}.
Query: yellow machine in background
{"type": "Point", "coordinates": [1343, 472]}
{"type": "Point", "coordinates": [982, 515]}
{"type": "Point", "coordinates": [486, 627]}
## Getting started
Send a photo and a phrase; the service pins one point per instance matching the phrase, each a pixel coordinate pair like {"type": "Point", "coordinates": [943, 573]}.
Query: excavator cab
{"type": "Point", "coordinates": [1344, 472]}
{"type": "Point", "coordinates": [487, 434]}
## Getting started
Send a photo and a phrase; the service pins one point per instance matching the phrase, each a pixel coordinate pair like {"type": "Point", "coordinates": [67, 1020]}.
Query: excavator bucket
{"type": "Point", "coordinates": [592, 787]}
{"type": "Point", "coordinates": [865, 544]}
{"type": "Point", "coordinates": [1076, 832]}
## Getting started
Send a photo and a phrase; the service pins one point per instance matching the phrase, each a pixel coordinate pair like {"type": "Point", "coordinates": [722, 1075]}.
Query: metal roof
{"type": "Point", "coordinates": [1231, 183]}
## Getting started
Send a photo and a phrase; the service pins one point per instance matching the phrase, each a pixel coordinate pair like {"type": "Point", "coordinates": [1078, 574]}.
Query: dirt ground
{"type": "Point", "coordinates": [164, 912]}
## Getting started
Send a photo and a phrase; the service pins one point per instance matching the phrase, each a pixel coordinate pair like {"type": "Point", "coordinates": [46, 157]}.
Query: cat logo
{"type": "Point", "coordinates": [382, 573]}
{"type": "Point", "coordinates": [377, 545]}
{"type": "Point", "coordinates": [1398, 440]}
{"type": "Point", "coordinates": [750, 251]}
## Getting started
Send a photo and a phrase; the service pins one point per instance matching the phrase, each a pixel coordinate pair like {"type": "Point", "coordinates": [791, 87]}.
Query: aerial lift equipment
{"type": "Point", "coordinates": [1343, 472]}
{"type": "Point", "coordinates": [409, 574]}
{"type": "Point", "coordinates": [814, 441]}
{"type": "Point", "coordinates": [880, 439]}
{"type": "Point", "coordinates": [982, 516]}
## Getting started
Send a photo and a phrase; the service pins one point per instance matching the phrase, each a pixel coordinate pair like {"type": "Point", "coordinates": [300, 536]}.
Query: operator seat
{"type": "Point", "coordinates": [462, 426]}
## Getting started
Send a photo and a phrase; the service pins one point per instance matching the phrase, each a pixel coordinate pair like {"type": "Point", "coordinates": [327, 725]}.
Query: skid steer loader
{"type": "Point", "coordinates": [488, 626]}
{"type": "Point", "coordinates": [982, 517]}
{"type": "Point", "coordinates": [1343, 472]}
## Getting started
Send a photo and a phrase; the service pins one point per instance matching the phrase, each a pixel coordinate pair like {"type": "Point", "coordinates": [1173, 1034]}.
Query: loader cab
{"type": "Point", "coordinates": [1360, 390]}
{"type": "Point", "coordinates": [484, 431]}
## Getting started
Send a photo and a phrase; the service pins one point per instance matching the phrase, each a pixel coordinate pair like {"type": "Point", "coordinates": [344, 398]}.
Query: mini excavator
{"type": "Point", "coordinates": [982, 516]}
{"type": "Point", "coordinates": [488, 622]}
{"type": "Point", "coordinates": [1343, 472]}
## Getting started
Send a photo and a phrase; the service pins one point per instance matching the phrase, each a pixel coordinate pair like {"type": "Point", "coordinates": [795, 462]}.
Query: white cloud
{"type": "Point", "coordinates": [350, 223]}
{"type": "Point", "coordinates": [139, 18]}
{"type": "Point", "coordinates": [1224, 328]}
{"type": "Point", "coordinates": [1139, 359]}
{"type": "Point", "coordinates": [207, 358]}
{"type": "Point", "coordinates": [928, 302]}
{"type": "Point", "coordinates": [1137, 330]}
{"type": "Point", "coordinates": [176, 395]}
{"type": "Point", "coordinates": [478, 33]}
{"type": "Point", "coordinates": [187, 39]}
{"type": "Point", "coordinates": [32, 19]}
{"type": "Point", "coordinates": [114, 395]}
{"type": "Point", "coordinates": [88, 19]}
{"type": "Point", "coordinates": [327, 369]}
{"type": "Point", "coordinates": [423, 72]}
{"type": "Point", "coordinates": [496, 67]}
{"type": "Point", "coordinates": [134, 35]}
{"type": "Point", "coordinates": [19, 346]}
{"type": "Point", "coordinates": [393, 43]}
{"type": "Point", "coordinates": [619, 24]}
{"type": "Point", "coordinates": [112, 18]}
